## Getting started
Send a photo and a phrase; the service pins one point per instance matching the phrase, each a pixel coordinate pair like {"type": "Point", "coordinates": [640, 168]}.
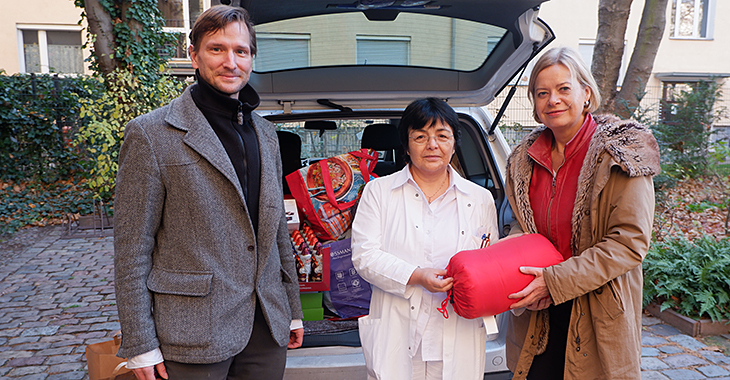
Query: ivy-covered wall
{"type": "Point", "coordinates": [39, 115]}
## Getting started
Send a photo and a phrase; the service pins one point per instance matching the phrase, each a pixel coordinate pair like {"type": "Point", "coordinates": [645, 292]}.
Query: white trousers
{"type": "Point", "coordinates": [426, 370]}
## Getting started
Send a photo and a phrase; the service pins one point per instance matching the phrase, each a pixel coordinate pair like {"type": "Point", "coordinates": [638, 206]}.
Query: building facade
{"type": "Point", "coordinates": [46, 37]}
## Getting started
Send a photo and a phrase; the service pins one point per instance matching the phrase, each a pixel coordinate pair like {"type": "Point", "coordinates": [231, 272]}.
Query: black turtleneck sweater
{"type": "Point", "coordinates": [231, 121]}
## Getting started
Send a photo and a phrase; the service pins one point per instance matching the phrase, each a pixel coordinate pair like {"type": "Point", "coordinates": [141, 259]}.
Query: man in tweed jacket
{"type": "Point", "coordinates": [204, 271]}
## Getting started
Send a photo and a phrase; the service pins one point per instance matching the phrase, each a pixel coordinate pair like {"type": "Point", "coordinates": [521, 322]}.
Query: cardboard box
{"type": "Point", "coordinates": [323, 285]}
{"type": "Point", "coordinates": [292, 215]}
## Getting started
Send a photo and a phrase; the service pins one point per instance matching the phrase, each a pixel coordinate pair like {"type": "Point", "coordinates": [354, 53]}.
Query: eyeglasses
{"type": "Point", "coordinates": [423, 139]}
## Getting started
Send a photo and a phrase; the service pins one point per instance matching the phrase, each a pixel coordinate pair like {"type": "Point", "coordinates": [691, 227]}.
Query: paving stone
{"type": "Point", "coordinates": [688, 342]}
{"type": "Point", "coordinates": [58, 338]}
{"type": "Point", "coordinates": [649, 351]}
{"type": "Point", "coordinates": [650, 363]}
{"type": "Point", "coordinates": [92, 335]}
{"type": "Point", "coordinates": [110, 326]}
{"type": "Point", "coordinates": [60, 359]}
{"type": "Point", "coordinates": [21, 314]}
{"type": "Point", "coordinates": [23, 362]}
{"type": "Point", "coordinates": [65, 343]}
{"type": "Point", "coordinates": [66, 367]}
{"type": "Point", "coordinates": [74, 329]}
{"type": "Point", "coordinates": [55, 351]}
{"type": "Point", "coordinates": [715, 357]}
{"type": "Point", "coordinates": [652, 340]}
{"type": "Point", "coordinates": [46, 330]}
{"type": "Point", "coordinates": [653, 375]}
{"type": "Point", "coordinates": [713, 371]}
{"type": "Point", "coordinates": [10, 325]}
{"type": "Point", "coordinates": [11, 332]}
{"type": "Point", "coordinates": [30, 370]}
{"type": "Point", "coordinates": [101, 319]}
{"type": "Point", "coordinates": [76, 375]}
{"type": "Point", "coordinates": [671, 349]}
{"type": "Point", "coordinates": [10, 354]}
{"type": "Point", "coordinates": [35, 324]}
{"type": "Point", "coordinates": [663, 330]}
{"type": "Point", "coordinates": [32, 346]}
{"type": "Point", "coordinates": [684, 360]}
{"type": "Point", "coordinates": [683, 374]}
{"type": "Point", "coordinates": [23, 339]}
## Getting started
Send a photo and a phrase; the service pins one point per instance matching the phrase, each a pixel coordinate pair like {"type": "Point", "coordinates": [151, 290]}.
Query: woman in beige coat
{"type": "Point", "coordinates": [585, 183]}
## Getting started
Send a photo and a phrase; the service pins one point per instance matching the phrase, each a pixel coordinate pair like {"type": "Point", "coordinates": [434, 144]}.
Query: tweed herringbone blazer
{"type": "Point", "coordinates": [188, 268]}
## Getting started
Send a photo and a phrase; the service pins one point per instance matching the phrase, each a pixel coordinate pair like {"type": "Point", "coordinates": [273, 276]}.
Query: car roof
{"type": "Point", "coordinates": [510, 32]}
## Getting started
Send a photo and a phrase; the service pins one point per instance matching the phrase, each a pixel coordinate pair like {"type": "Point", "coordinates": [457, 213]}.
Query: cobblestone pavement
{"type": "Point", "coordinates": [57, 296]}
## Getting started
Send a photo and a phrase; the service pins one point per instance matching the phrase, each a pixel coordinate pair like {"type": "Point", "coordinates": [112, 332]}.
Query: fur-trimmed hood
{"type": "Point", "coordinates": [628, 144]}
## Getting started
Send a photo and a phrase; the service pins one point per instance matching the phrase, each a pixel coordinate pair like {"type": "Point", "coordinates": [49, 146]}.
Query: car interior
{"type": "Point", "coordinates": [305, 142]}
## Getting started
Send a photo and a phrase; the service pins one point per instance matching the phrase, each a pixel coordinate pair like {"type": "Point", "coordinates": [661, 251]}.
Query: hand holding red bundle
{"type": "Point", "coordinates": [485, 277]}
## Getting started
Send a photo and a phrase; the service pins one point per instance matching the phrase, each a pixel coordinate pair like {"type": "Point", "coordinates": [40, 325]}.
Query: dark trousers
{"type": "Point", "coordinates": [262, 358]}
{"type": "Point", "coordinates": [550, 365]}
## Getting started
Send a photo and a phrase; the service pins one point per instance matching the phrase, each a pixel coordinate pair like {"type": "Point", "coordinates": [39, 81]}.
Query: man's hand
{"type": "Point", "coordinates": [536, 295]}
{"type": "Point", "coordinates": [431, 279]}
{"type": "Point", "coordinates": [295, 338]}
{"type": "Point", "coordinates": [151, 372]}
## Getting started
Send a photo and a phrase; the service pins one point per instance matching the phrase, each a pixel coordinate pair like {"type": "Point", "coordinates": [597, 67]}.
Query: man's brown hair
{"type": "Point", "coordinates": [217, 18]}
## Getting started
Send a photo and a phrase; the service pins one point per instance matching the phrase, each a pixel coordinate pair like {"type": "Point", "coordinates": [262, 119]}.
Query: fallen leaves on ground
{"type": "Point", "coordinates": [694, 207]}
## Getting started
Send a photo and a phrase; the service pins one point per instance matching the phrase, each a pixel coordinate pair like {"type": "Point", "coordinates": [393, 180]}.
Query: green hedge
{"type": "Point", "coordinates": [38, 116]}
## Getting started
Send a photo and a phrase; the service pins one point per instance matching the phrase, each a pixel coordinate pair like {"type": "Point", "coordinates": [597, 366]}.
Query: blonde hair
{"type": "Point", "coordinates": [569, 58]}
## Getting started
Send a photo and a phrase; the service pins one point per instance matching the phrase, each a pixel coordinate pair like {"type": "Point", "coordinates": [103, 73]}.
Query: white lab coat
{"type": "Point", "coordinates": [385, 241]}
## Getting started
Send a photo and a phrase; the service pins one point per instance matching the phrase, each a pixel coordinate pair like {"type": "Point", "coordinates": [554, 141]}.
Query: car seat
{"type": "Point", "coordinates": [290, 148]}
{"type": "Point", "coordinates": [384, 138]}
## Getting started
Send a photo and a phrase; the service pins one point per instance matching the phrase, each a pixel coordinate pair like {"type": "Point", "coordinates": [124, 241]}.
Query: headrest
{"type": "Point", "coordinates": [380, 137]}
{"type": "Point", "coordinates": [289, 140]}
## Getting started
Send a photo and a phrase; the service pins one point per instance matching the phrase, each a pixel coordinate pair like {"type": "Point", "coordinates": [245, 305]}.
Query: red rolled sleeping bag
{"type": "Point", "coordinates": [483, 278]}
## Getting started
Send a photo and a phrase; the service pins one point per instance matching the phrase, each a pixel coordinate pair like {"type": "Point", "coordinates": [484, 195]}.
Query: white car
{"type": "Point", "coordinates": [328, 69]}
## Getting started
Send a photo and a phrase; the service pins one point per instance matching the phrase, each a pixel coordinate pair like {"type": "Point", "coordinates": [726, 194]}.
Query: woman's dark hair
{"type": "Point", "coordinates": [217, 18]}
{"type": "Point", "coordinates": [421, 113]}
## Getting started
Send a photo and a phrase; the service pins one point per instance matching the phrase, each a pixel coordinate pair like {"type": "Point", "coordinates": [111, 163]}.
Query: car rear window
{"type": "Point", "coordinates": [343, 39]}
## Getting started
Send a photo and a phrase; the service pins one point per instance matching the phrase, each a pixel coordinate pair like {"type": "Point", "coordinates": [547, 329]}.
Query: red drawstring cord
{"type": "Point", "coordinates": [442, 309]}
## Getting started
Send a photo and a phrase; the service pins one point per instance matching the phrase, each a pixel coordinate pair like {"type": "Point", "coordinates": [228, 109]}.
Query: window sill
{"type": "Point", "coordinates": [691, 38]}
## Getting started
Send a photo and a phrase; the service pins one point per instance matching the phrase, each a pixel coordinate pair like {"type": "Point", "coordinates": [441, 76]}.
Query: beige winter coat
{"type": "Point", "coordinates": [612, 222]}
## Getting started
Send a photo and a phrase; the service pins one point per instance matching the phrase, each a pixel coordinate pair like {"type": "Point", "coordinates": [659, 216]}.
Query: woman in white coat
{"type": "Point", "coordinates": [407, 227]}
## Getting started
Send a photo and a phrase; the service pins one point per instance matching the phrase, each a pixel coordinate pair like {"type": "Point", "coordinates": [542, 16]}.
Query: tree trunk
{"type": "Point", "coordinates": [613, 16]}
{"type": "Point", "coordinates": [651, 32]}
{"type": "Point", "coordinates": [101, 27]}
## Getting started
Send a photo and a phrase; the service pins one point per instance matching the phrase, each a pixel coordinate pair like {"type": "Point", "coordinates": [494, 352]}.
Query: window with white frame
{"type": "Point", "coordinates": [180, 15]}
{"type": "Point", "coordinates": [50, 49]}
{"type": "Point", "coordinates": [692, 19]}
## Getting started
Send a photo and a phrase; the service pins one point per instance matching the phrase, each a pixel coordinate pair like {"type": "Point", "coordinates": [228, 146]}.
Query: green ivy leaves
{"type": "Point", "coordinates": [126, 97]}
